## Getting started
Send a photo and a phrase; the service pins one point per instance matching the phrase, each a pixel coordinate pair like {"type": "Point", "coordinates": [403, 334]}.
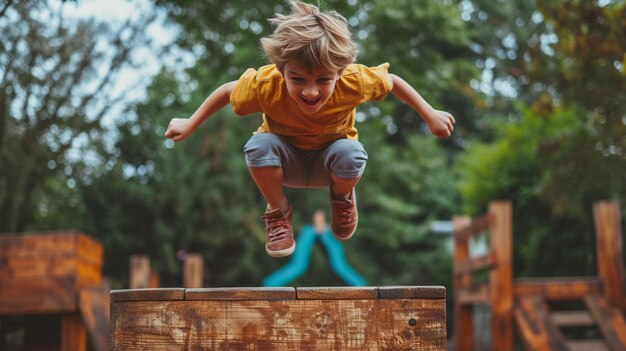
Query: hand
{"type": "Point", "coordinates": [441, 124]}
{"type": "Point", "coordinates": [179, 129]}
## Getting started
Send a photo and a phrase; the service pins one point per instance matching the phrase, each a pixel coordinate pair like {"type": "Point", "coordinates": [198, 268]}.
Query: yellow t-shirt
{"type": "Point", "coordinates": [265, 91]}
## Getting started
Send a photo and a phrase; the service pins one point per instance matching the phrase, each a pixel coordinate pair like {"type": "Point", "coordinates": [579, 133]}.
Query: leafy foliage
{"type": "Point", "coordinates": [564, 144]}
{"type": "Point", "coordinates": [431, 49]}
{"type": "Point", "coordinates": [517, 167]}
{"type": "Point", "coordinates": [55, 87]}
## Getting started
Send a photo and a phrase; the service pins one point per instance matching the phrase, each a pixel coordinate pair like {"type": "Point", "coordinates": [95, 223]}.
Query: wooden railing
{"type": "Point", "coordinates": [528, 298]}
{"type": "Point", "coordinates": [497, 289]}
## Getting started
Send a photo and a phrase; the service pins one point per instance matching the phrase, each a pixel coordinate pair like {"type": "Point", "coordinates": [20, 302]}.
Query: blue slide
{"type": "Point", "coordinates": [302, 256]}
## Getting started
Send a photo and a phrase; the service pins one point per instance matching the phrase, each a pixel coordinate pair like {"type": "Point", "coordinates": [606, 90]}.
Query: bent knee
{"type": "Point", "coordinates": [264, 150]}
{"type": "Point", "coordinates": [346, 158]}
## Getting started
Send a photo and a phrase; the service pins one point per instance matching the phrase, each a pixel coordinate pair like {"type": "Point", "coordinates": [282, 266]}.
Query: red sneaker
{"type": "Point", "coordinates": [344, 217]}
{"type": "Point", "coordinates": [279, 241]}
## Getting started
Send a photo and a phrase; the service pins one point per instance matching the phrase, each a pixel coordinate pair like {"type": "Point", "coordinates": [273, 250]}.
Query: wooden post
{"type": "Point", "coordinates": [139, 276]}
{"type": "Point", "coordinates": [155, 280]}
{"type": "Point", "coordinates": [193, 271]}
{"type": "Point", "coordinates": [606, 215]}
{"type": "Point", "coordinates": [501, 276]}
{"type": "Point", "coordinates": [463, 314]}
{"type": "Point", "coordinates": [73, 333]}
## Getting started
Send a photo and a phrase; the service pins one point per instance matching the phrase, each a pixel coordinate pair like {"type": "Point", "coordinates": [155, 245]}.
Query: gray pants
{"type": "Point", "coordinates": [344, 158]}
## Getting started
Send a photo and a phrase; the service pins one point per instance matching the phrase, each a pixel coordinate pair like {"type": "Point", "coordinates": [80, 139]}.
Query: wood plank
{"type": "Point", "coordinates": [148, 294]}
{"type": "Point", "coordinates": [609, 319]}
{"type": "Point", "coordinates": [52, 244]}
{"type": "Point", "coordinates": [587, 345]}
{"type": "Point", "coordinates": [475, 293]}
{"type": "Point", "coordinates": [241, 294]}
{"type": "Point", "coordinates": [336, 293]}
{"type": "Point", "coordinates": [38, 244]}
{"type": "Point", "coordinates": [67, 266]}
{"type": "Point", "coordinates": [572, 318]}
{"type": "Point", "coordinates": [474, 264]}
{"type": "Point", "coordinates": [371, 324]}
{"type": "Point", "coordinates": [476, 226]}
{"type": "Point", "coordinates": [32, 303]}
{"type": "Point", "coordinates": [42, 295]}
{"type": "Point", "coordinates": [536, 329]}
{"type": "Point", "coordinates": [20, 267]}
{"type": "Point", "coordinates": [607, 219]}
{"type": "Point", "coordinates": [94, 305]}
{"type": "Point", "coordinates": [558, 289]}
{"type": "Point", "coordinates": [411, 292]}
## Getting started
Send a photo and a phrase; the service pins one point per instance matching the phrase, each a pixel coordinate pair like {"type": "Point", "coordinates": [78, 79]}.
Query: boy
{"type": "Point", "coordinates": [308, 96]}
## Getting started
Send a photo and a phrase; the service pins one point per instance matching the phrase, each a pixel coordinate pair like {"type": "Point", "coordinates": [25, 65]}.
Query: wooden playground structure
{"type": "Point", "coordinates": [146, 317]}
{"type": "Point", "coordinates": [276, 319]}
{"type": "Point", "coordinates": [52, 294]}
{"type": "Point", "coordinates": [526, 303]}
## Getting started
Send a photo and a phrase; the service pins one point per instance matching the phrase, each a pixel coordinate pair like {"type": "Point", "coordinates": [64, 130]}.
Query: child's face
{"type": "Point", "coordinates": [310, 90]}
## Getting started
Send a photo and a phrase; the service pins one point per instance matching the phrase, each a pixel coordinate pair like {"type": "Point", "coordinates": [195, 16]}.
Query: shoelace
{"type": "Point", "coordinates": [343, 213]}
{"type": "Point", "coordinates": [276, 228]}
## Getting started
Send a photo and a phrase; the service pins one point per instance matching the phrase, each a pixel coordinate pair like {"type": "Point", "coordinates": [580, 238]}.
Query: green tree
{"type": "Point", "coordinates": [587, 70]}
{"type": "Point", "coordinates": [516, 167]}
{"type": "Point", "coordinates": [568, 64]}
{"type": "Point", "coordinates": [431, 49]}
{"type": "Point", "coordinates": [56, 86]}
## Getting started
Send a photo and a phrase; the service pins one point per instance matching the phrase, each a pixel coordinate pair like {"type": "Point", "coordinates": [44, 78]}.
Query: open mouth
{"type": "Point", "coordinates": [311, 102]}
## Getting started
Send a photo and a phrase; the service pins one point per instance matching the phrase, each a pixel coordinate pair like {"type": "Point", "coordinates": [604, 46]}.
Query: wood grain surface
{"type": "Point", "coordinates": [261, 321]}
{"type": "Point", "coordinates": [43, 272]}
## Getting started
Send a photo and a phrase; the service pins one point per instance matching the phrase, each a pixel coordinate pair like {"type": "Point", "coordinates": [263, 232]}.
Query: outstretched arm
{"type": "Point", "coordinates": [439, 122]}
{"type": "Point", "coordinates": [181, 128]}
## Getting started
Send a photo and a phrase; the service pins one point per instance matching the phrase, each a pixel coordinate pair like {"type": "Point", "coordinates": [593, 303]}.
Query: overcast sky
{"type": "Point", "coordinates": [116, 12]}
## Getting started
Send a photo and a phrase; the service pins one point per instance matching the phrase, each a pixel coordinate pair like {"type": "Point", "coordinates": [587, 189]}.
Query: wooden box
{"type": "Point", "coordinates": [44, 272]}
{"type": "Point", "coordinates": [275, 319]}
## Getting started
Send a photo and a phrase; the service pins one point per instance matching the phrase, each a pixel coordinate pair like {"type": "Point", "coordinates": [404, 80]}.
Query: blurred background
{"type": "Point", "coordinates": [538, 90]}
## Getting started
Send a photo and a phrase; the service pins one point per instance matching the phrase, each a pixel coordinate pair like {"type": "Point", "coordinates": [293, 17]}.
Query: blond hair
{"type": "Point", "coordinates": [317, 40]}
